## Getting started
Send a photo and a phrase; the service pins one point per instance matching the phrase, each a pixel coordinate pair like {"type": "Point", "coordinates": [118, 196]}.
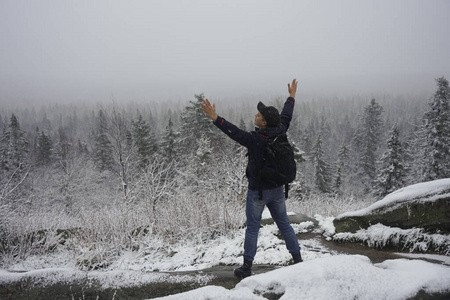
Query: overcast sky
{"type": "Point", "coordinates": [93, 50]}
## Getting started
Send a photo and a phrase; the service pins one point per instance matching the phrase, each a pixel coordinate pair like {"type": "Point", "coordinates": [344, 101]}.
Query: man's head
{"type": "Point", "coordinates": [269, 116]}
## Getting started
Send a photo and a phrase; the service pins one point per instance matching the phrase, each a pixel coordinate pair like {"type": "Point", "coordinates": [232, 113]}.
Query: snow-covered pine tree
{"type": "Point", "coordinates": [43, 149]}
{"type": "Point", "coordinates": [307, 145]}
{"type": "Point", "coordinates": [391, 175]}
{"type": "Point", "coordinates": [322, 170]}
{"type": "Point", "coordinates": [14, 164]}
{"type": "Point", "coordinates": [338, 180]}
{"type": "Point", "coordinates": [415, 147]}
{"type": "Point", "coordinates": [2, 124]}
{"type": "Point", "coordinates": [341, 168]}
{"type": "Point", "coordinates": [194, 123]}
{"type": "Point", "coordinates": [13, 147]}
{"type": "Point", "coordinates": [102, 150]}
{"type": "Point", "coordinates": [298, 187]}
{"type": "Point", "coordinates": [168, 143]}
{"type": "Point", "coordinates": [437, 130]}
{"type": "Point", "coordinates": [237, 148]}
{"type": "Point", "coordinates": [63, 147]}
{"type": "Point", "coordinates": [366, 143]}
{"type": "Point", "coordinates": [144, 141]}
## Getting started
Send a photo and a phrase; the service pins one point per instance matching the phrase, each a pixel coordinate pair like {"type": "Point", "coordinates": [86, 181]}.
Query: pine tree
{"type": "Point", "coordinates": [102, 153]}
{"type": "Point", "coordinates": [437, 130]}
{"type": "Point", "coordinates": [43, 150]}
{"type": "Point", "coordinates": [238, 149]}
{"type": "Point", "coordinates": [144, 141]}
{"type": "Point", "coordinates": [366, 143]}
{"type": "Point", "coordinates": [82, 149]}
{"type": "Point", "coordinates": [194, 124]}
{"type": "Point", "coordinates": [2, 124]}
{"type": "Point", "coordinates": [338, 180]}
{"type": "Point", "coordinates": [341, 168]}
{"type": "Point", "coordinates": [203, 152]}
{"type": "Point", "coordinates": [14, 164]}
{"type": "Point", "coordinates": [392, 171]}
{"type": "Point", "coordinates": [63, 149]}
{"type": "Point", "coordinates": [322, 170]}
{"type": "Point", "coordinates": [13, 147]}
{"type": "Point", "coordinates": [415, 155]}
{"type": "Point", "coordinates": [168, 144]}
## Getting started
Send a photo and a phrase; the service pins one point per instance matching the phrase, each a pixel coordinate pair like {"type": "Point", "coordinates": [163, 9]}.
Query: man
{"type": "Point", "coordinates": [269, 124]}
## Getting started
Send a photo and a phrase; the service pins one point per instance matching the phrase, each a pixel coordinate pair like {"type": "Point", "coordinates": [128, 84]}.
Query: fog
{"type": "Point", "coordinates": [147, 50]}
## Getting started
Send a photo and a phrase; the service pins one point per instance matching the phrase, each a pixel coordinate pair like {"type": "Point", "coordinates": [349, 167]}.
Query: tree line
{"type": "Point", "coordinates": [339, 150]}
{"type": "Point", "coordinates": [97, 180]}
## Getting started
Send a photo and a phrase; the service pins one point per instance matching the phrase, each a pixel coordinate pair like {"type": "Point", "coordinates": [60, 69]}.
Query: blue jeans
{"type": "Point", "coordinates": [274, 199]}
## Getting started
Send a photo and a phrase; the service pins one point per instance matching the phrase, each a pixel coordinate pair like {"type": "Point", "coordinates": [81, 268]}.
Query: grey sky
{"type": "Point", "coordinates": [91, 50]}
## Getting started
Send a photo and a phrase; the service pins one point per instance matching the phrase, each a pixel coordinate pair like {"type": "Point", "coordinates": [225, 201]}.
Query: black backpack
{"type": "Point", "coordinates": [279, 166]}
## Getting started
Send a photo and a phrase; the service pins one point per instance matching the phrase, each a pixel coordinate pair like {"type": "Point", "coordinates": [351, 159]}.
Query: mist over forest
{"type": "Point", "coordinates": [113, 177]}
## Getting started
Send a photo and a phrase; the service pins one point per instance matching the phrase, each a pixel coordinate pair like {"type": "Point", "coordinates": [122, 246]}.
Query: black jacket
{"type": "Point", "coordinates": [255, 142]}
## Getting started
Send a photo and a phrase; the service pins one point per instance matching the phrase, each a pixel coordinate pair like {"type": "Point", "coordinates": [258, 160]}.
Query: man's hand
{"type": "Point", "coordinates": [292, 88]}
{"type": "Point", "coordinates": [210, 110]}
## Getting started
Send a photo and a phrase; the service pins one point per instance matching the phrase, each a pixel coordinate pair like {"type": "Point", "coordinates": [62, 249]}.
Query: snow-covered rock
{"type": "Point", "coordinates": [424, 205]}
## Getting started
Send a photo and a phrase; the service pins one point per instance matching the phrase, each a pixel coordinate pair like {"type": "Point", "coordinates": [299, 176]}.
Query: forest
{"type": "Point", "coordinates": [97, 179]}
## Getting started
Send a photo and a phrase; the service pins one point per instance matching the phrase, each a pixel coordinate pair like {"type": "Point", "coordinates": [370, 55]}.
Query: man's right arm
{"type": "Point", "coordinates": [241, 136]}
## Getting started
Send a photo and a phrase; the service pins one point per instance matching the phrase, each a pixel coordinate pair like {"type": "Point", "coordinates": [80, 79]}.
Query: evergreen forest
{"type": "Point", "coordinates": [109, 177]}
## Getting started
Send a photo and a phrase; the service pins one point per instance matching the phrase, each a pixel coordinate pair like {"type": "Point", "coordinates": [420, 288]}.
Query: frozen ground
{"type": "Point", "coordinates": [336, 277]}
{"type": "Point", "coordinates": [324, 274]}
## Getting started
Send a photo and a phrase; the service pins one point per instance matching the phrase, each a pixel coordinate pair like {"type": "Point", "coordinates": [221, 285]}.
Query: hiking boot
{"type": "Point", "coordinates": [297, 258]}
{"type": "Point", "coordinates": [245, 270]}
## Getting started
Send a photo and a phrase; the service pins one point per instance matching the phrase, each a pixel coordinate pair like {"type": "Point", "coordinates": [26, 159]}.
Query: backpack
{"type": "Point", "coordinates": [279, 166]}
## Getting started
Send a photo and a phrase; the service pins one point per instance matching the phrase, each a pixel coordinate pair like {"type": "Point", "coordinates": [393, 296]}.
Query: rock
{"type": "Point", "coordinates": [424, 205]}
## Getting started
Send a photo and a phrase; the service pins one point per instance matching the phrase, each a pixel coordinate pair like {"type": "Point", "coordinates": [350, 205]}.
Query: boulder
{"type": "Point", "coordinates": [424, 205]}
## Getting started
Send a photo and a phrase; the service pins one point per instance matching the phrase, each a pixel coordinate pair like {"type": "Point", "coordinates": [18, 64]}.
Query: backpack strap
{"type": "Point", "coordinates": [260, 192]}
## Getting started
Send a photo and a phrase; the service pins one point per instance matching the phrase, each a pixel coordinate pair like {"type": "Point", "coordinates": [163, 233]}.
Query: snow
{"type": "Point", "coordinates": [109, 279]}
{"type": "Point", "coordinates": [413, 239]}
{"type": "Point", "coordinates": [336, 277]}
{"type": "Point", "coordinates": [444, 259]}
{"type": "Point", "coordinates": [324, 274]}
{"type": "Point", "coordinates": [411, 192]}
{"type": "Point", "coordinates": [223, 250]}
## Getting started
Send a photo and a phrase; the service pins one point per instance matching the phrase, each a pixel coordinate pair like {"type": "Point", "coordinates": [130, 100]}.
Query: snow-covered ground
{"type": "Point", "coordinates": [336, 277]}
{"type": "Point", "coordinates": [324, 274]}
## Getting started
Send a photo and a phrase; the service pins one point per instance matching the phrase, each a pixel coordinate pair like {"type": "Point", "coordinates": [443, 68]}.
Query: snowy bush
{"type": "Point", "coordinates": [21, 236]}
{"type": "Point", "coordinates": [96, 229]}
{"type": "Point", "coordinates": [414, 239]}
